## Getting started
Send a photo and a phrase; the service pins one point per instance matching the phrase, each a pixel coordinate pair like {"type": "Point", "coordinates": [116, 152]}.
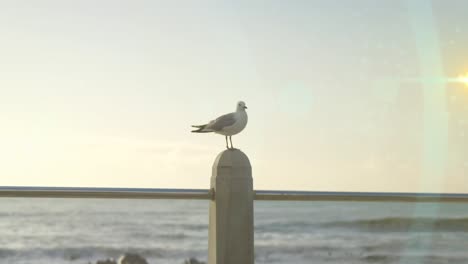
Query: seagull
{"type": "Point", "coordinates": [226, 125]}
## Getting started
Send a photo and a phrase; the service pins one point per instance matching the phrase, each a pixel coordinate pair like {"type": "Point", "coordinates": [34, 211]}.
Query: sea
{"type": "Point", "coordinates": [82, 231]}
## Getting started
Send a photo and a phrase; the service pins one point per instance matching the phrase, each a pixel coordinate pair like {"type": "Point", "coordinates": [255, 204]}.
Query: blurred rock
{"type": "Point", "coordinates": [107, 261]}
{"type": "Point", "coordinates": [193, 261]}
{"type": "Point", "coordinates": [129, 258]}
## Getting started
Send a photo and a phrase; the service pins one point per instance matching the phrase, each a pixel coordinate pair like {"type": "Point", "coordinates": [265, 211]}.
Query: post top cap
{"type": "Point", "coordinates": [232, 158]}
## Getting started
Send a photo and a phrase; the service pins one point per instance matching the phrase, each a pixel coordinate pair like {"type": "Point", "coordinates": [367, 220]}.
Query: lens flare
{"type": "Point", "coordinates": [463, 79]}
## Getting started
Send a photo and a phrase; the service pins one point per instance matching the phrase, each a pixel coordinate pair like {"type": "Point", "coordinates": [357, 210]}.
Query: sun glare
{"type": "Point", "coordinates": [463, 79]}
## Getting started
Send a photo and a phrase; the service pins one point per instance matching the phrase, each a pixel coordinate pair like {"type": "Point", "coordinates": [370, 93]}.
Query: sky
{"type": "Point", "coordinates": [355, 95]}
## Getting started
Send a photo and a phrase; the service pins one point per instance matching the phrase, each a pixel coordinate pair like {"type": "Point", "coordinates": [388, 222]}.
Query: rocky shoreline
{"type": "Point", "coordinates": [130, 258]}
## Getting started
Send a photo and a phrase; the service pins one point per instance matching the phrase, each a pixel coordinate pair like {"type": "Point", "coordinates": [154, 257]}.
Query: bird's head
{"type": "Point", "coordinates": [241, 106]}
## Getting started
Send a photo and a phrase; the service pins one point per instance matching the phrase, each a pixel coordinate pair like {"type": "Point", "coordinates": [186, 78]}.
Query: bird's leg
{"type": "Point", "coordinates": [230, 139]}
{"type": "Point", "coordinates": [227, 145]}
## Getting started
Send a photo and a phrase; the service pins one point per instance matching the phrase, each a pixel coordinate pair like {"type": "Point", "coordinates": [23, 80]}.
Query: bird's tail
{"type": "Point", "coordinates": [200, 129]}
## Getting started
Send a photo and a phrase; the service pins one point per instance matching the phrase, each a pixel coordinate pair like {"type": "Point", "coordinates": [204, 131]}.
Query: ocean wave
{"type": "Point", "coordinates": [354, 254]}
{"type": "Point", "coordinates": [185, 226]}
{"type": "Point", "coordinates": [402, 258]}
{"type": "Point", "coordinates": [175, 236]}
{"type": "Point", "coordinates": [75, 253]}
{"type": "Point", "coordinates": [405, 224]}
{"type": "Point", "coordinates": [286, 226]}
{"type": "Point", "coordinates": [7, 253]}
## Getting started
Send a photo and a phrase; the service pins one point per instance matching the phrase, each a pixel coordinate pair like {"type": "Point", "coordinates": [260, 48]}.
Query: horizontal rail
{"type": "Point", "coordinates": [360, 196]}
{"type": "Point", "coordinates": [107, 193]}
{"type": "Point", "coordinates": [204, 194]}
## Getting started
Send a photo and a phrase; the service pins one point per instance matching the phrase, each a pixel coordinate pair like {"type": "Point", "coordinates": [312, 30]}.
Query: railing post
{"type": "Point", "coordinates": [231, 231]}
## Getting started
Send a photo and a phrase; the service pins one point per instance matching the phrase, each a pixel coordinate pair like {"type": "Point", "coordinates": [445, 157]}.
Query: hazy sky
{"type": "Point", "coordinates": [342, 95]}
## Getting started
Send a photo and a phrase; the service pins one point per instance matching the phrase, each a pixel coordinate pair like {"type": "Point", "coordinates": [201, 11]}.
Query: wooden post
{"type": "Point", "coordinates": [231, 231]}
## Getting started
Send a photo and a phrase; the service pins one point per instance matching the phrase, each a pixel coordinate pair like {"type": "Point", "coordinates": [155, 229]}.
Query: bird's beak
{"type": "Point", "coordinates": [245, 107]}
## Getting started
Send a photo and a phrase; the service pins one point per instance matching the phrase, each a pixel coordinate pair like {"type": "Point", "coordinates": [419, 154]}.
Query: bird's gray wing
{"type": "Point", "coordinates": [221, 122]}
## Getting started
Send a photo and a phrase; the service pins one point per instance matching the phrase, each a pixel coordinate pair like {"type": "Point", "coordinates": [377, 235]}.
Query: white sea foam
{"type": "Point", "coordinates": [65, 231]}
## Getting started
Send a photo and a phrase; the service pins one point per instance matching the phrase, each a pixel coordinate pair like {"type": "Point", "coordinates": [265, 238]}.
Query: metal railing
{"type": "Point", "coordinates": [107, 193]}
{"type": "Point", "coordinates": [205, 194]}
{"type": "Point", "coordinates": [231, 196]}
